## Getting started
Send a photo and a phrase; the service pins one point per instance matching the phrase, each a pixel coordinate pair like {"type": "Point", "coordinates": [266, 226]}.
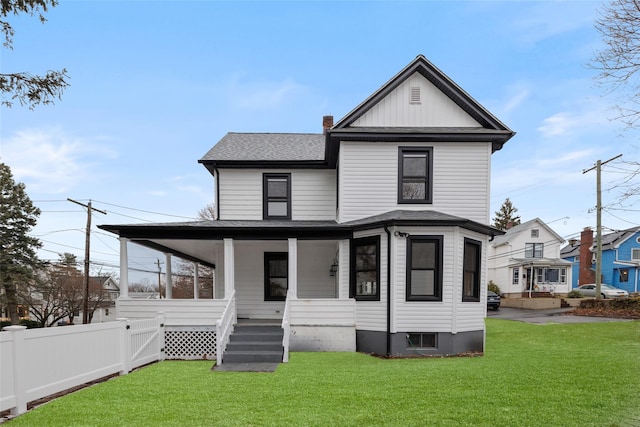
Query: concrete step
{"type": "Point", "coordinates": [256, 336]}
{"type": "Point", "coordinates": [252, 357]}
{"type": "Point", "coordinates": [241, 328]}
{"type": "Point", "coordinates": [254, 346]}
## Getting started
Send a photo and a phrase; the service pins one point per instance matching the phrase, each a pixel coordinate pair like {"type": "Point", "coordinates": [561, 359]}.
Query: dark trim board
{"type": "Point", "coordinates": [374, 342]}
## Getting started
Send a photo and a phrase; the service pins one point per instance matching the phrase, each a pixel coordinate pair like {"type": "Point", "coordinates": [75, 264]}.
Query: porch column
{"type": "Point", "coordinates": [168, 278]}
{"type": "Point", "coordinates": [124, 268]}
{"type": "Point", "coordinates": [293, 268]}
{"type": "Point", "coordinates": [343, 269]}
{"type": "Point", "coordinates": [195, 281]}
{"type": "Point", "coordinates": [229, 262]}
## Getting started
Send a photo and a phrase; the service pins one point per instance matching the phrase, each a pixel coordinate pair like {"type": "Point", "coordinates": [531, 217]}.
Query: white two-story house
{"type": "Point", "coordinates": [525, 261]}
{"type": "Point", "coordinates": [371, 236]}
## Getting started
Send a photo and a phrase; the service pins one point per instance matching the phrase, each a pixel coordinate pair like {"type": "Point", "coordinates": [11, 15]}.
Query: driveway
{"type": "Point", "coordinates": [553, 315]}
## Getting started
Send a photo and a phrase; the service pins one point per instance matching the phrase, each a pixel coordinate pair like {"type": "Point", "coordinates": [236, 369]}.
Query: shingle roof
{"type": "Point", "coordinates": [244, 147]}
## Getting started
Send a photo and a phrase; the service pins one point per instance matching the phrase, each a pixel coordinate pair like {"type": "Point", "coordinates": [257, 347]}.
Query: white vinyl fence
{"type": "Point", "coordinates": [40, 362]}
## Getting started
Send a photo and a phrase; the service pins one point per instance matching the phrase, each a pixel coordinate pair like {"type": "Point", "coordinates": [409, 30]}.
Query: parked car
{"type": "Point", "coordinates": [493, 300]}
{"type": "Point", "coordinates": [607, 291]}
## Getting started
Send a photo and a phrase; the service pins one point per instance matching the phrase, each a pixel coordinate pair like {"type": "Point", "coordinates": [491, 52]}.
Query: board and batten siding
{"type": "Point", "coordinates": [432, 109]}
{"type": "Point", "coordinates": [369, 179]}
{"type": "Point", "coordinates": [450, 314]}
{"type": "Point", "coordinates": [313, 194]}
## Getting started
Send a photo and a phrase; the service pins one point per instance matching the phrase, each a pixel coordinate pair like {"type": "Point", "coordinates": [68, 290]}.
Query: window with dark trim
{"type": "Point", "coordinates": [415, 175]}
{"type": "Point", "coordinates": [365, 269]}
{"type": "Point", "coordinates": [424, 268]}
{"type": "Point", "coordinates": [471, 271]}
{"type": "Point", "coordinates": [276, 276]}
{"type": "Point", "coordinates": [533, 250]}
{"type": "Point", "coordinates": [276, 193]}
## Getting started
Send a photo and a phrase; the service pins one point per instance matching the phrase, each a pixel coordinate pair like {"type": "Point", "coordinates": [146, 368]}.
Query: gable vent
{"type": "Point", "coordinates": [415, 95]}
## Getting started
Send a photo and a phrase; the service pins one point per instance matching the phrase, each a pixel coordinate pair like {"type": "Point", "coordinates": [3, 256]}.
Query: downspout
{"type": "Point", "coordinates": [217, 176]}
{"type": "Point", "coordinates": [386, 229]}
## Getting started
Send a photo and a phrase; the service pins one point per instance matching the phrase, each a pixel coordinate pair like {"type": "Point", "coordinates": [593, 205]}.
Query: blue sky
{"type": "Point", "coordinates": [155, 84]}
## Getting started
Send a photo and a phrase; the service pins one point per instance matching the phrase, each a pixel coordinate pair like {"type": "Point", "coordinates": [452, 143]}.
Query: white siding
{"type": "Point", "coordinates": [502, 256]}
{"type": "Point", "coordinates": [240, 194]}
{"type": "Point", "coordinates": [313, 194]}
{"type": "Point", "coordinates": [177, 312]}
{"type": "Point", "coordinates": [450, 314]}
{"type": "Point", "coordinates": [369, 179]}
{"type": "Point", "coordinates": [314, 261]}
{"type": "Point", "coordinates": [314, 281]}
{"type": "Point", "coordinates": [372, 315]}
{"type": "Point", "coordinates": [249, 279]}
{"type": "Point", "coordinates": [434, 109]}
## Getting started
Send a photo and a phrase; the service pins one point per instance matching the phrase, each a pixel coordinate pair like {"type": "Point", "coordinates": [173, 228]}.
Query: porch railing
{"type": "Point", "coordinates": [224, 327]}
{"type": "Point", "coordinates": [286, 328]}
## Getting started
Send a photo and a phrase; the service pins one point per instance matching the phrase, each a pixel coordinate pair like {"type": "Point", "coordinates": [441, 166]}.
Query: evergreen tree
{"type": "Point", "coordinates": [18, 259]}
{"type": "Point", "coordinates": [27, 88]}
{"type": "Point", "coordinates": [506, 216]}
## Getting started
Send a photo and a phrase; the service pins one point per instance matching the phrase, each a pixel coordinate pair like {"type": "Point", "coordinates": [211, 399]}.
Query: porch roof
{"type": "Point", "coordinates": [280, 229]}
{"type": "Point", "coordinates": [539, 262]}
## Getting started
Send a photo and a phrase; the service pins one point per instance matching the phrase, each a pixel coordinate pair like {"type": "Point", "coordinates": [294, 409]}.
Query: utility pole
{"type": "Point", "coordinates": [87, 254]}
{"type": "Point", "coordinates": [598, 168]}
{"type": "Point", "coordinates": [159, 276]}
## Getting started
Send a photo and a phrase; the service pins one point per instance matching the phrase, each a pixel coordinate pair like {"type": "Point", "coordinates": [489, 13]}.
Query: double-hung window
{"type": "Point", "coordinates": [424, 268]}
{"type": "Point", "coordinates": [276, 191]}
{"type": "Point", "coordinates": [533, 250]}
{"type": "Point", "coordinates": [365, 271]}
{"type": "Point", "coordinates": [415, 175]}
{"type": "Point", "coordinates": [276, 276]}
{"type": "Point", "coordinates": [471, 270]}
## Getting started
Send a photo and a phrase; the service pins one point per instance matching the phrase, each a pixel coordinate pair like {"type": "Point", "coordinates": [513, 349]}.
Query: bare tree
{"type": "Point", "coordinates": [618, 62]}
{"type": "Point", "coordinates": [183, 280]}
{"type": "Point", "coordinates": [208, 212]}
{"type": "Point", "coordinates": [27, 88]}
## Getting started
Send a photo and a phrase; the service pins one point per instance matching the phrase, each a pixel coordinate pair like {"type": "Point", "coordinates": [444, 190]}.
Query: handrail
{"type": "Point", "coordinates": [286, 328]}
{"type": "Point", "coordinates": [224, 326]}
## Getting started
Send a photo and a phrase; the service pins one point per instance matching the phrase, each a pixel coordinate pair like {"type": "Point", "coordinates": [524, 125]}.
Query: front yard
{"type": "Point", "coordinates": [530, 375]}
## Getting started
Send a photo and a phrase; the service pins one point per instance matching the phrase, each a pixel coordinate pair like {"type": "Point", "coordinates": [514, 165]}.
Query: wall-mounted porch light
{"type": "Point", "coordinates": [334, 267]}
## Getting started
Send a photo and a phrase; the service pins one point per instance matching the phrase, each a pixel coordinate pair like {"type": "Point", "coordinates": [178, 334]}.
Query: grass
{"type": "Point", "coordinates": [530, 375]}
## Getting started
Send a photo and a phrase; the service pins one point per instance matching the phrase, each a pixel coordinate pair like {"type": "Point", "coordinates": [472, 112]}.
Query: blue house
{"type": "Point", "coordinates": [620, 259]}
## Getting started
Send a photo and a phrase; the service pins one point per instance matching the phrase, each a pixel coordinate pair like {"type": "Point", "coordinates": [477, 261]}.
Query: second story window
{"type": "Point", "coordinates": [276, 193]}
{"type": "Point", "coordinates": [415, 173]}
{"type": "Point", "coordinates": [533, 250]}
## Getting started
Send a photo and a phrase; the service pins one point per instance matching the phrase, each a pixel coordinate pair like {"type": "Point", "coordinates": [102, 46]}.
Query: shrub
{"type": "Point", "coordinates": [24, 322]}
{"type": "Point", "coordinates": [493, 287]}
{"type": "Point", "coordinates": [575, 294]}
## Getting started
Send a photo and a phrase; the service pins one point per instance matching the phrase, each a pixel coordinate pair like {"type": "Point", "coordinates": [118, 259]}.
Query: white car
{"type": "Point", "coordinates": [607, 291]}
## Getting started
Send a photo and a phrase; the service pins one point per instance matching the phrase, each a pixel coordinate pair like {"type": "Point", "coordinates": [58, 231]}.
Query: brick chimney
{"type": "Point", "coordinates": [327, 123]}
{"type": "Point", "coordinates": [586, 274]}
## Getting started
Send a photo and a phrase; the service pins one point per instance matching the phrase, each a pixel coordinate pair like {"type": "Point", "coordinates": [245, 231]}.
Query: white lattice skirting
{"type": "Point", "coordinates": [190, 342]}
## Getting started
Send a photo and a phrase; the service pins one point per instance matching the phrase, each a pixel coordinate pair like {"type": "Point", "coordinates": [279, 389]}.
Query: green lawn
{"type": "Point", "coordinates": [530, 375]}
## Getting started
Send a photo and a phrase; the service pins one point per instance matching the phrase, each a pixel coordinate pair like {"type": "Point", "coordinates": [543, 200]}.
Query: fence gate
{"type": "Point", "coordinates": [147, 341]}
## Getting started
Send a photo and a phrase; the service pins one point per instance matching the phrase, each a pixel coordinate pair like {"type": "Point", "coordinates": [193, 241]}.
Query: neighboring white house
{"type": "Point", "coordinates": [526, 259]}
{"type": "Point", "coordinates": [372, 236]}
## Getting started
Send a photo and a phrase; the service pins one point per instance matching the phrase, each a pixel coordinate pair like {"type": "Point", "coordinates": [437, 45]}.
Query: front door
{"type": "Point", "coordinates": [276, 276]}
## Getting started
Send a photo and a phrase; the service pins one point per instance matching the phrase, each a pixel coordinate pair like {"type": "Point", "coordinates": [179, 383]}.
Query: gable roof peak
{"type": "Point", "coordinates": [420, 64]}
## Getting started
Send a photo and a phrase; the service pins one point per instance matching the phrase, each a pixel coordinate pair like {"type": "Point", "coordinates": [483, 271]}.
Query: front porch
{"type": "Point", "coordinates": [316, 313]}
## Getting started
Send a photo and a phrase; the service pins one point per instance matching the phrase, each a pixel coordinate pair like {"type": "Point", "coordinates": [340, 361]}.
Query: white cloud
{"type": "Point", "coordinates": [262, 95]}
{"type": "Point", "coordinates": [52, 161]}
{"type": "Point", "coordinates": [565, 123]}
{"type": "Point", "coordinates": [543, 20]}
{"type": "Point", "coordinates": [516, 100]}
